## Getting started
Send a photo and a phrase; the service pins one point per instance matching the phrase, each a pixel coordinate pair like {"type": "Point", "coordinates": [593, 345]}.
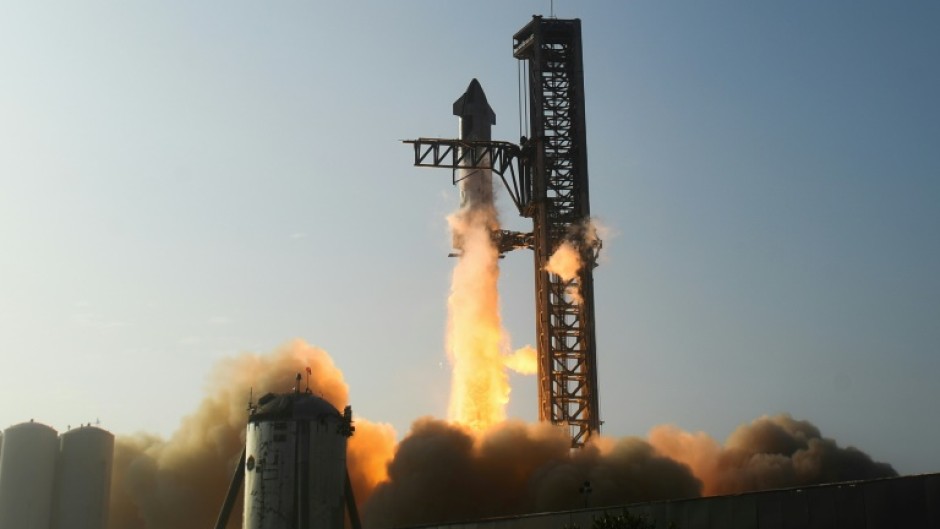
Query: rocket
{"type": "Point", "coordinates": [476, 121]}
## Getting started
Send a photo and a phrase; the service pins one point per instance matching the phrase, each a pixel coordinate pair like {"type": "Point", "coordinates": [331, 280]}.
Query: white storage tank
{"type": "Point", "coordinates": [83, 479]}
{"type": "Point", "coordinates": [27, 475]}
{"type": "Point", "coordinates": [295, 463]}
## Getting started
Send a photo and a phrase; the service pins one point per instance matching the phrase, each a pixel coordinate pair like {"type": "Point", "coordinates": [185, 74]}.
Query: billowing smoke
{"type": "Point", "coordinates": [566, 261]}
{"type": "Point", "coordinates": [444, 472]}
{"type": "Point", "coordinates": [770, 452]}
{"type": "Point", "coordinates": [180, 482]}
{"type": "Point", "coordinates": [523, 361]}
{"type": "Point", "coordinates": [478, 465]}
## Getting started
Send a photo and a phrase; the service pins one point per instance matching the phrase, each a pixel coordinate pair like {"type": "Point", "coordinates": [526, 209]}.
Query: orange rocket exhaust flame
{"type": "Point", "coordinates": [477, 345]}
{"type": "Point", "coordinates": [476, 341]}
{"type": "Point", "coordinates": [524, 361]}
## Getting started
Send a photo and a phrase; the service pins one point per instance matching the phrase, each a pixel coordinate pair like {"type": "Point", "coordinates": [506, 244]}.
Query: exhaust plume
{"type": "Point", "coordinates": [180, 482]}
{"type": "Point", "coordinates": [476, 341]}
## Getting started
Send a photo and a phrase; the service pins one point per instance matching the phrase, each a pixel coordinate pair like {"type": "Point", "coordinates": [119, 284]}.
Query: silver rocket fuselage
{"type": "Point", "coordinates": [295, 465]}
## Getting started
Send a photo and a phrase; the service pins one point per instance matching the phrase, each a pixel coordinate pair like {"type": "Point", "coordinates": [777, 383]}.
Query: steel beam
{"type": "Point", "coordinates": [560, 211]}
{"type": "Point", "coordinates": [503, 158]}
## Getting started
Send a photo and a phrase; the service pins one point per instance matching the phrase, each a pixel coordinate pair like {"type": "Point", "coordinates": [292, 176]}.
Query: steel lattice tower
{"type": "Point", "coordinates": [546, 177]}
{"type": "Point", "coordinates": [561, 212]}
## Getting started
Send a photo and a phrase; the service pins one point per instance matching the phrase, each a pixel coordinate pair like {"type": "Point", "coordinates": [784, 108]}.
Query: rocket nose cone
{"type": "Point", "coordinates": [475, 90]}
{"type": "Point", "coordinates": [473, 104]}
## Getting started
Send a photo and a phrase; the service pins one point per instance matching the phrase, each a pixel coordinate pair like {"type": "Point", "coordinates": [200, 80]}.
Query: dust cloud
{"type": "Point", "coordinates": [180, 482]}
{"type": "Point", "coordinates": [442, 472]}
{"type": "Point", "coordinates": [770, 452]}
{"type": "Point", "coordinates": [445, 471]}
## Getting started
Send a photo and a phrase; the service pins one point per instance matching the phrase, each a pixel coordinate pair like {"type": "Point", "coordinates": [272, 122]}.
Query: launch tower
{"type": "Point", "coordinates": [560, 211]}
{"type": "Point", "coordinates": [546, 176]}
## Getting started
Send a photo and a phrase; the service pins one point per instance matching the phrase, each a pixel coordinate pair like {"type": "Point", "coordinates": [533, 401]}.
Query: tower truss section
{"type": "Point", "coordinates": [560, 210]}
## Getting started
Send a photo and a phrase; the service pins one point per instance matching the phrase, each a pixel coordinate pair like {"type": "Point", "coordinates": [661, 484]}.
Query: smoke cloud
{"type": "Point", "coordinates": [180, 482]}
{"type": "Point", "coordinates": [523, 361]}
{"type": "Point", "coordinates": [565, 262]}
{"type": "Point", "coordinates": [568, 259]}
{"type": "Point", "coordinates": [770, 452]}
{"type": "Point", "coordinates": [443, 471]}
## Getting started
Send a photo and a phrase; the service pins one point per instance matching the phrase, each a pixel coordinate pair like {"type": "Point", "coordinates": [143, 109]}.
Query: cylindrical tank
{"type": "Point", "coordinates": [295, 464]}
{"type": "Point", "coordinates": [27, 475]}
{"type": "Point", "coordinates": [83, 479]}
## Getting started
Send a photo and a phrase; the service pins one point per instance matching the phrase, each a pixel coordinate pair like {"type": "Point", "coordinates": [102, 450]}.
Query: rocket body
{"type": "Point", "coordinates": [476, 121]}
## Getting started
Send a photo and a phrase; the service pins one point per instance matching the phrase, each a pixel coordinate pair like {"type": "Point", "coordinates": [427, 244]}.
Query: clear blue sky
{"type": "Point", "coordinates": [184, 181]}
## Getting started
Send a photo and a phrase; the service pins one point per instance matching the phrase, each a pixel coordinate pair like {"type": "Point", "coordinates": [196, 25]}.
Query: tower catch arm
{"type": "Point", "coordinates": [503, 158]}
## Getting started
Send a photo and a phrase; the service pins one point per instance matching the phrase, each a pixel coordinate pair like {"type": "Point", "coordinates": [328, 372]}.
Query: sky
{"type": "Point", "coordinates": [183, 182]}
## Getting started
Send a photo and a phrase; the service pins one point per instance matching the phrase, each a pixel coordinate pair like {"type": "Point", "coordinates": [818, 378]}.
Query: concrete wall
{"type": "Point", "coordinates": [909, 502]}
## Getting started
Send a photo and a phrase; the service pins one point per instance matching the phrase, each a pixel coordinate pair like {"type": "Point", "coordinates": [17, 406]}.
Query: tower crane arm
{"type": "Point", "coordinates": [502, 157]}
